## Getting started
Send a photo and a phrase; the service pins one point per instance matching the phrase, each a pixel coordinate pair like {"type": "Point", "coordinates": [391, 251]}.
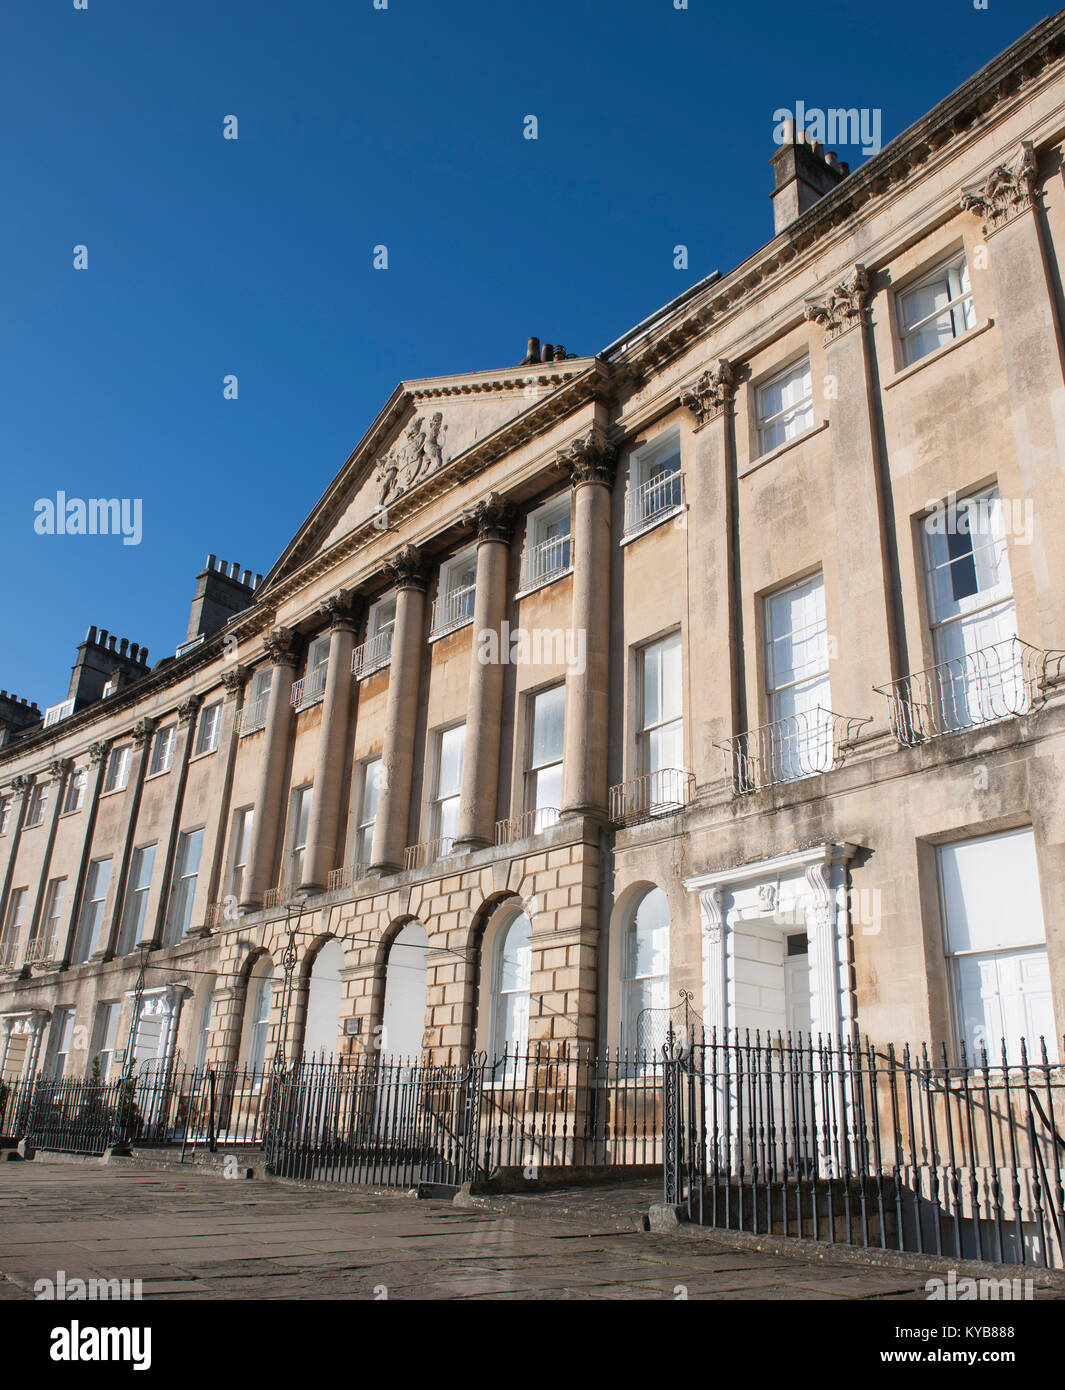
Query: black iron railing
{"type": "Point", "coordinates": [848, 1142]}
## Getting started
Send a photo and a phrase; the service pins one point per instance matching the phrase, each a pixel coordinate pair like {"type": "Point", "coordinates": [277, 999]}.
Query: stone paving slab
{"type": "Point", "coordinates": [195, 1235]}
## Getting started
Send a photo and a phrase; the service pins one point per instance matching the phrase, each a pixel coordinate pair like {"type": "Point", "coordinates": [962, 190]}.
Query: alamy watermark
{"type": "Point", "coordinates": [839, 125]}
{"type": "Point", "coordinates": [69, 1288]}
{"type": "Point", "coordinates": [93, 516]}
{"type": "Point", "coordinates": [537, 646]}
{"type": "Point", "coordinates": [981, 516]}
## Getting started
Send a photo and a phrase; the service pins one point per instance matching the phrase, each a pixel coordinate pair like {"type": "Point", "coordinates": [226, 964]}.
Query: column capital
{"type": "Point", "coordinates": [143, 730]}
{"type": "Point", "coordinates": [280, 644]}
{"type": "Point", "coordinates": [844, 307]}
{"type": "Point", "coordinates": [59, 767]}
{"type": "Point", "coordinates": [406, 568]}
{"type": "Point", "coordinates": [99, 751]}
{"type": "Point", "coordinates": [342, 609]}
{"type": "Point", "coordinates": [711, 393]}
{"type": "Point", "coordinates": [188, 709]}
{"type": "Point", "coordinates": [590, 459]}
{"type": "Point", "coordinates": [234, 679]}
{"type": "Point", "coordinates": [24, 781]}
{"type": "Point", "coordinates": [493, 518]}
{"type": "Point", "coordinates": [1007, 191]}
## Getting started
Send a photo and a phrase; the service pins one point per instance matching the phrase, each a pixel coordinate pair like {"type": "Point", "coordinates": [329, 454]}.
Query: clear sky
{"type": "Point", "coordinates": [358, 127]}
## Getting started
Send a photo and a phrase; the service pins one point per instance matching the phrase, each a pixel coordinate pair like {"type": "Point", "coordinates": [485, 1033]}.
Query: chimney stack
{"type": "Point", "coordinates": [221, 590]}
{"type": "Point", "coordinates": [802, 174]}
{"type": "Point", "coordinates": [101, 656]}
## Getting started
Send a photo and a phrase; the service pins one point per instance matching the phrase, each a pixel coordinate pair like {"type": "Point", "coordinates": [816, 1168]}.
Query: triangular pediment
{"type": "Point", "coordinates": [424, 426]}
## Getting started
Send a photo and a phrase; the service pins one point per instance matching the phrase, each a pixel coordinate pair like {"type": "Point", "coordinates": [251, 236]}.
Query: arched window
{"type": "Point", "coordinates": [323, 1003]}
{"type": "Point", "coordinates": [511, 975]}
{"type": "Point", "coordinates": [406, 989]}
{"type": "Point", "coordinates": [203, 1027]}
{"type": "Point", "coordinates": [260, 999]}
{"type": "Point", "coordinates": [645, 973]}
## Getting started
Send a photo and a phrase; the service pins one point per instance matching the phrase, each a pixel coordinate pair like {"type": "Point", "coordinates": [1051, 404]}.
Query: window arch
{"type": "Point", "coordinates": [258, 1005]}
{"type": "Point", "coordinates": [645, 972]}
{"type": "Point", "coordinates": [511, 979]}
{"type": "Point", "coordinates": [323, 1003]}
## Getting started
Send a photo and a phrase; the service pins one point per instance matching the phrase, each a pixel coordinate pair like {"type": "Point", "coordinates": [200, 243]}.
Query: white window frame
{"type": "Point", "coordinates": [243, 825]}
{"type": "Point", "coordinates": [259, 1023]}
{"type": "Point", "coordinates": [516, 1047]}
{"type": "Point", "coordinates": [183, 886]}
{"type": "Point", "coordinates": [105, 1035]}
{"type": "Point", "coordinates": [75, 793]}
{"type": "Point", "coordinates": [376, 652]}
{"type": "Point", "coordinates": [1024, 946]}
{"type": "Point", "coordinates": [955, 271]}
{"type": "Point", "coordinates": [52, 914]}
{"type": "Point", "coordinates": [209, 728]}
{"type": "Point", "coordinates": [302, 797]}
{"type": "Point", "coordinates": [439, 803]}
{"type": "Point", "coordinates": [541, 814]}
{"type": "Point", "coordinates": [12, 928]}
{"type": "Point", "coordinates": [767, 425]}
{"type": "Point", "coordinates": [310, 689]}
{"type": "Point", "coordinates": [93, 899]}
{"type": "Point", "coordinates": [547, 558]}
{"type": "Point", "coordinates": [644, 730]}
{"type": "Point", "coordinates": [38, 805]}
{"type": "Point", "coordinates": [5, 814]}
{"type": "Point", "coordinates": [630, 1040]}
{"type": "Point", "coordinates": [654, 497]}
{"type": "Point", "coordinates": [364, 824]}
{"type": "Point", "coordinates": [162, 757]}
{"type": "Point", "coordinates": [136, 905]}
{"type": "Point", "coordinates": [256, 707]}
{"type": "Point", "coordinates": [117, 776]}
{"type": "Point", "coordinates": [60, 1040]}
{"type": "Point", "coordinates": [448, 613]}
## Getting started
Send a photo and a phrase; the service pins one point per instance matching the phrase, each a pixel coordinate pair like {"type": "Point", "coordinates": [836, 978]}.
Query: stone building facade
{"type": "Point", "coordinates": [726, 663]}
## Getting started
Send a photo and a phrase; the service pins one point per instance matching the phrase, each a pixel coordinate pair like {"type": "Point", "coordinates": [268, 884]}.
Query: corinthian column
{"type": "Point", "coordinates": [590, 462]}
{"type": "Point", "coordinates": [321, 853]}
{"type": "Point", "coordinates": [258, 876]}
{"type": "Point", "coordinates": [406, 572]}
{"type": "Point", "coordinates": [494, 520]}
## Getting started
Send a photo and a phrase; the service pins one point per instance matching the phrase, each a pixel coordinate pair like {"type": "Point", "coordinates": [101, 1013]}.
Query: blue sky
{"type": "Point", "coordinates": [253, 257]}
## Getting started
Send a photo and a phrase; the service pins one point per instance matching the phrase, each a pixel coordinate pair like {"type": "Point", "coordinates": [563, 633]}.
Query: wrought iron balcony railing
{"type": "Point", "coordinates": [41, 950]}
{"type": "Point", "coordinates": [655, 498]}
{"type": "Point", "coordinates": [9, 954]}
{"type": "Point", "coordinates": [544, 561]}
{"type": "Point", "coordinates": [531, 823]}
{"type": "Point", "coordinates": [253, 716]}
{"type": "Point", "coordinates": [310, 690]}
{"type": "Point", "coordinates": [1005, 680]}
{"type": "Point", "coordinates": [653, 794]}
{"type": "Point", "coordinates": [789, 749]}
{"type": "Point", "coordinates": [417, 856]}
{"type": "Point", "coordinates": [453, 609]}
{"type": "Point", "coordinates": [374, 653]}
{"type": "Point", "coordinates": [282, 895]}
{"type": "Point", "coordinates": [345, 876]}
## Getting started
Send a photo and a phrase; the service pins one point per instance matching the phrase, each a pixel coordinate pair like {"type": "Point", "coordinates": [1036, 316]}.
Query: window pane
{"type": "Point", "coordinates": [449, 777]}
{"type": "Point", "coordinates": [549, 709]}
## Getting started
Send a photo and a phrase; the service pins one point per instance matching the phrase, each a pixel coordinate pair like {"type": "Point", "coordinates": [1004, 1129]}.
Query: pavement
{"type": "Point", "coordinates": [193, 1234]}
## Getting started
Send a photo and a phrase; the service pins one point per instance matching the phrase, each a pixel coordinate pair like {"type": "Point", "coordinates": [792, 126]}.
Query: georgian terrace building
{"type": "Point", "coordinates": [724, 661]}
